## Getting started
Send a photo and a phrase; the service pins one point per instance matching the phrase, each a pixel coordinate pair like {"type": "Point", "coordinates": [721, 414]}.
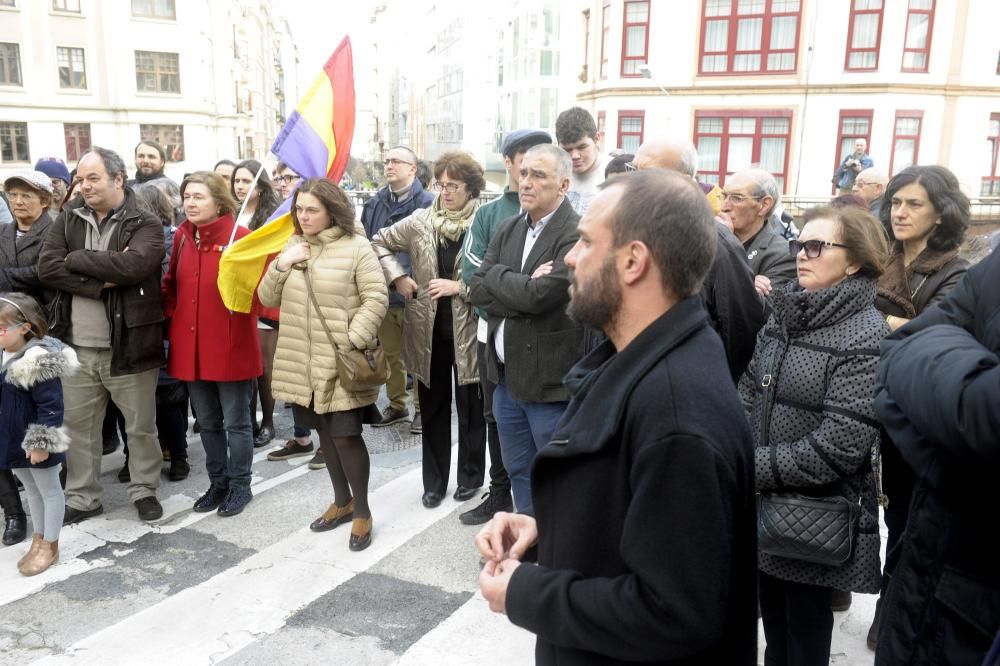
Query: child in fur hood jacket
{"type": "Point", "coordinates": [32, 442]}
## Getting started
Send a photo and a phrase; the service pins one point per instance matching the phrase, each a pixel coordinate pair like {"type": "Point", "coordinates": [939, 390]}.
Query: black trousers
{"type": "Point", "coordinates": [10, 500]}
{"type": "Point", "coordinates": [798, 622]}
{"type": "Point", "coordinates": [171, 427]}
{"type": "Point", "coordinates": [499, 481]}
{"type": "Point", "coordinates": [114, 422]}
{"type": "Point", "coordinates": [435, 410]}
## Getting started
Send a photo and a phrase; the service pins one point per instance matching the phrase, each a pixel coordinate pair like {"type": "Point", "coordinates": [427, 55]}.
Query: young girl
{"type": "Point", "coordinates": [32, 442]}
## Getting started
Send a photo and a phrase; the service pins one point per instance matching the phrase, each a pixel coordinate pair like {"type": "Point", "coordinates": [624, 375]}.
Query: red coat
{"type": "Point", "coordinates": [207, 341]}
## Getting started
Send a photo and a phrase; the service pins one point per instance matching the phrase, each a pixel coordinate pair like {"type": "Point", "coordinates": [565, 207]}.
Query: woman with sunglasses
{"type": "Point", "coordinates": [809, 392]}
{"type": "Point", "coordinates": [441, 327]}
{"type": "Point", "coordinates": [926, 214]}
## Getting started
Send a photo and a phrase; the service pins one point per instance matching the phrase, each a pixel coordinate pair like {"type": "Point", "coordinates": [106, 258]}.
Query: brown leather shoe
{"type": "Point", "coordinates": [361, 534]}
{"type": "Point", "coordinates": [45, 555]}
{"type": "Point", "coordinates": [332, 517]}
{"type": "Point", "coordinates": [35, 540]}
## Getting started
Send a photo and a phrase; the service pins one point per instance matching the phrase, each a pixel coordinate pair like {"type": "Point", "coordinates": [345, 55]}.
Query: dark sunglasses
{"type": "Point", "coordinates": [813, 248]}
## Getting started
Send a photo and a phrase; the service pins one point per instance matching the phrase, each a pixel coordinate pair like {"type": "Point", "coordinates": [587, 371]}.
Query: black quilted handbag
{"type": "Point", "coordinates": [811, 529]}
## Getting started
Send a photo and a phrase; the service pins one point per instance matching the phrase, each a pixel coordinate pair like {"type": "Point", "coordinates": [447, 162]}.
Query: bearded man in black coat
{"type": "Point", "coordinates": [643, 523]}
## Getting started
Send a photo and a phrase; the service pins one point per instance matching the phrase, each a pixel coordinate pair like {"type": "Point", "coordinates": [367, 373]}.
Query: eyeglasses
{"type": "Point", "coordinates": [287, 179]}
{"type": "Point", "coordinates": [738, 198]}
{"type": "Point", "coordinates": [629, 167]}
{"type": "Point", "coordinates": [813, 247]}
{"type": "Point", "coordinates": [6, 327]}
{"type": "Point", "coordinates": [23, 196]}
{"type": "Point", "coordinates": [392, 161]}
{"type": "Point", "coordinates": [450, 188]}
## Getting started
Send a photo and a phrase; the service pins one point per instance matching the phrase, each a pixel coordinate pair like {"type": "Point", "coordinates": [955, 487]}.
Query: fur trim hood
{"type": "Point", "coordinates": [40, 360]}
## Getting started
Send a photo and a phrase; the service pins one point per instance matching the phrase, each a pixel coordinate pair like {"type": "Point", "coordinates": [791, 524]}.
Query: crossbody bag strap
{"type": "Point", "coordinates": [312, 299]}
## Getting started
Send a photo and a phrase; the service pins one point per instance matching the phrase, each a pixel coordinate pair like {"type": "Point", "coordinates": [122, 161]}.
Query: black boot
{"type": "Point", "coordinates": [15, 529]}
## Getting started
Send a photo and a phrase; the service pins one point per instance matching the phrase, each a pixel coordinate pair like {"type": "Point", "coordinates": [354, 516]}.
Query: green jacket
{"type": "Point", "coordinates": [484, 226]}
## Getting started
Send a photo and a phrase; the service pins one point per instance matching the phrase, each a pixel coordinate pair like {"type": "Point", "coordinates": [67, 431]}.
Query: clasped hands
{"type": "Point", "coordinates": [502, 543]}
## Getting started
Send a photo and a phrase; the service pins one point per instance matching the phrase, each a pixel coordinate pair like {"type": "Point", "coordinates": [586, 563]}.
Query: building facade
{"type": "Point", "coordinates": [791, 84]}
{"type": "Point", "coordinates": [205, 80]}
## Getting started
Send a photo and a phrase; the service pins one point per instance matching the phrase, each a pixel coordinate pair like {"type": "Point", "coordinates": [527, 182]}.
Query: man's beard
{"type": "Point", "coordinates": [596, 303]}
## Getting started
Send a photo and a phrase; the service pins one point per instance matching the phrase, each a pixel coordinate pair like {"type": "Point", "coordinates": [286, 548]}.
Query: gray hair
{"type": "Point", "coordinates": [669, 214]}
{"type": "Point", "coordinates": [874, 175]}
{"type": "Point", "coordinates": [764, 184]}
{"type": "Point", "coordinates": [688, 164]}
{"type": "Point", "coordinates": [564, 164]}
{"type": "Point", "coordinates": [113, 163]}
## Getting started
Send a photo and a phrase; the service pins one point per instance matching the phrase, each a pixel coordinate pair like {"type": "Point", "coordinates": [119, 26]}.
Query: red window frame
{"type": "Point", "coordinates": [602, 122]}
{"type": "Point", "coordinates": [605, 38]}
{"type": "Point", "coordinates": [910, 11]}
{"type": "Point", "coordinates": [726, 115]}
{"type": "Point", "coordinates": [77, 138]}
{"type": "Point", "coordinates": [855, 12]}
{"type": "Point", "coordinates": [991, 183]}
{"type": "Point", "coordinates": [631, 114]}
{"type": "Point", "coordinates": [644, 58]}
{"type": "Point", "coordinates": [919, 116]}
{"type": "Point", "coordinates": [765, 50]}
{"type": "Point", "coordinates": [868, 114]}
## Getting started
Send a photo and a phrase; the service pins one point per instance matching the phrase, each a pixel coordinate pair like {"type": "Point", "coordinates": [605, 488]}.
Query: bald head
{"type": "Point", "coordinates": [671, 153]}
{"type": "Point", "coordinates": [870, 184]}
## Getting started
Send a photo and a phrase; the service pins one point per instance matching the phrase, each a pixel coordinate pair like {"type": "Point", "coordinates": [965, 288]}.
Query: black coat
{"type": "Point", "coordinates": [19, 259]}
{"type": "Point", "coordinates": [132, 262]}
{"type": "Point", "coordinates": [645, 506]}
{"type": "Point", "coordinates": [541, 342]}
{"type": "Point", "coordinates": [938, 396]}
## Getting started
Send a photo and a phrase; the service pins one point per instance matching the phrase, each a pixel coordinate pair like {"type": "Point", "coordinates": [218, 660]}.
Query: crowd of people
{"type": "Point", "coordinates": [694, 405]}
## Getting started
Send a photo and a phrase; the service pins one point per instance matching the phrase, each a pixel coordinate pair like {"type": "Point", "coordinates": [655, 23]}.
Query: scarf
{"type": "Point", "coordinates": [896, 283]}
{"type": "Point", "coordinates": [141, 178]}
{"type": "Point", "coordinates": [450, 225]}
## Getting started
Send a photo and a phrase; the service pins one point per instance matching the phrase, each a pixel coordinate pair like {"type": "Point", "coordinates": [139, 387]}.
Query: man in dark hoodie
{"type": "Point", "coordinates": [403, 193]}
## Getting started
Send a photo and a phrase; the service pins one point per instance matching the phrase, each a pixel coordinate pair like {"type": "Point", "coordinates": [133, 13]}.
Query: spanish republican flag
{"type": "Point", "coordinates": [315, 142]}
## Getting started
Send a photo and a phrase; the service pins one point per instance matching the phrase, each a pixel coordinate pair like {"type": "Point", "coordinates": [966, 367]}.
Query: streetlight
{"type": "Point", "coordinates": [647, 73]}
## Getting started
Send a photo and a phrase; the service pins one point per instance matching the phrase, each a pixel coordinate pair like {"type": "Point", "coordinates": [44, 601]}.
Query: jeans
{"type": "Point", "coordinates": [525, 427]}
{"type": "Point", "coordinates": [224, 414]}
{"type": "Point", "coordinates": [798, 622]}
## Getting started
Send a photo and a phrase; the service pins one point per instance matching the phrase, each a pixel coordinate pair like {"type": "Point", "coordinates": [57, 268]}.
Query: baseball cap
{"type": "Point", "coordinates": [53, 167]}
{"type": "Point", "coordinates": [521, 139]}
{"type": "Point", "coordinates": [36, 180]}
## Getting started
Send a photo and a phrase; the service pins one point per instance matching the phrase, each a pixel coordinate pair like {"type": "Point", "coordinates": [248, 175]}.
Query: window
{"type": "Point", "coordinates": [729, 141]}
{"type": "Point", "coordinates": [163, 9]}
{"type": "Point", "coordinates": [602, 122]}
{"type": "Point", "coordinates": [72, 72]}
{"type": "Point", "coordinates": [10, 64]}
{"type": "Point", "coordinates": [605, 38]}
{"type": "Point", "coordinates": [919, 26]}
{"type": "Point", "coordinates": [547, 107]}
{"type": "Point", "coordinates": [66, 6]}
{"type": "Point", "coordinates": [749, 36]}
{"type": "Point", "coordinates": [7, 3]}
{"type": "Point", "coordinates": [635, 37]}
{"type": "Point", "coordinates": [630, 127]}
{"type": "Point", "coordinates": [864, 35]}
{"type": "Point", "coordinates": [157, 72]}
{"type": "Point", "coordinates": [171, 137]}
{"type": "Point", "coordinates": [14, 142]}
{"type": "Point", "coordinates": [991, 183]}
{"type": "Point", "coordinates": [854, 124]}
{"type": "Point", "coordinates": [905, 140]}
{"type": "Point", "coordinates": [77, 136]}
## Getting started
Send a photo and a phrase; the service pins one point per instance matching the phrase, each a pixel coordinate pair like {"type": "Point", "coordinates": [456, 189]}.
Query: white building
{"type": "Point", "coordinates": [790, 84]}
{"type": "Point", "coordinates": [207, 80]}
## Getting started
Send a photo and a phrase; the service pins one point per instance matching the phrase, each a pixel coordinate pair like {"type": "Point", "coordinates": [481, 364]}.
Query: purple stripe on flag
{"type": "Point", "coordinates": [285, 207]}
{"type": "Point", "coordinates": [300, 147]}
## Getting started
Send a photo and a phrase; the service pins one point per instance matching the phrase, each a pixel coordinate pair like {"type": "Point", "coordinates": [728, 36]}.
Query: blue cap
{"type": "Point", "coordinates": [53, 167]}
{"type": "Point", "coordinates": [523, 139]}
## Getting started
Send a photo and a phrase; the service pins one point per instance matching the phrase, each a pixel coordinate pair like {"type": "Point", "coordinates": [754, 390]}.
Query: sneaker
{"type": "Point", "coordinates": [179, 469]}
{"type": "Point", "coordinates": [317, 461]}
{"type": "Point", "coordinates": [149, 508]}
{"type": "Point", "coordinates": [235, 502]}
{"type": "Point", "coordinates": [211, 500]}
{"type": "Point", "coordinates": [291, 449]}
{"type": "Point", "coordinates": [840, 602]}
{"type": "Point", "coordinates": [392, 415]}
{"type": "Point", "coordinates": [417, 425]}
{"type": "Point", "coordinates": [73, 515]}
{"type": "Point", "coordinates": [492, 502]}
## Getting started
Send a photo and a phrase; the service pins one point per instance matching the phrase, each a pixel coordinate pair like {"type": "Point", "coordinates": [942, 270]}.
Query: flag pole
{"type": "Point", "coordinates": [253, 186]}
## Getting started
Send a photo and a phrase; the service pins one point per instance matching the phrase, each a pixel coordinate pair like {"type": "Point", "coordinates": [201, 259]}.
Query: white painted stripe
{"type": "Point", "coordinates": [256, 597]}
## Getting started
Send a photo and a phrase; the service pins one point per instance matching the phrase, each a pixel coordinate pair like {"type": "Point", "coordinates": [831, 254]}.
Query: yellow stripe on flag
{"type": "Point", "coordinates": [243, 262]}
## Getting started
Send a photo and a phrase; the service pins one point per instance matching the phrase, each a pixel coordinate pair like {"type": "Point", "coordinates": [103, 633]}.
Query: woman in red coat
{"type": "Point", "coordinates": [214, 350]}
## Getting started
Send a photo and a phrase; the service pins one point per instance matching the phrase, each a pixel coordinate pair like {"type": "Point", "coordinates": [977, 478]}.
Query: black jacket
{"type": "Point", "coordinates": [19, 259]}
{"type": "Point", "coordinates": [768, 254]}
{"type": "Point", "coordinates": [645, 506]}
{"type": "Point", "coordinates": [938, 396]}
{"type": "Point", "coordinates": [541, 342]}
{"type": "Point", "coordinates": [133, 306]}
